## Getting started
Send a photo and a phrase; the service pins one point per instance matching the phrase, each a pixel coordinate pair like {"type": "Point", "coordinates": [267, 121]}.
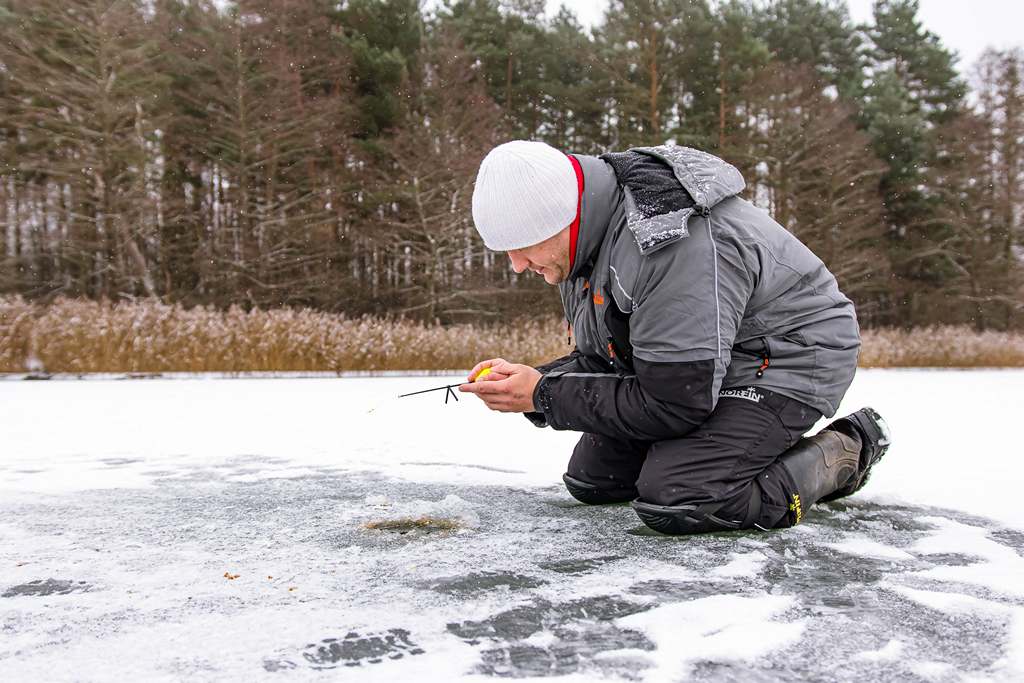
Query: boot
{"type": "Point", "coordinates": [819, 465]}
{"type": "Point", "coordinates": [873, 434]}
{"type": "Point", "coordinates": [836, 461]}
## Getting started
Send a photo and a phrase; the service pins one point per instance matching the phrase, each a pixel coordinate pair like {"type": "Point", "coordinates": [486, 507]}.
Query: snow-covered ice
{"type": "Point", "coordinates": [244, 529]}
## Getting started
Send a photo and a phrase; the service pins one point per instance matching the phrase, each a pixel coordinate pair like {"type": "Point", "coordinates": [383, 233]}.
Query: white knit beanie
{"type": "Point", "coordinates": [525, 193]}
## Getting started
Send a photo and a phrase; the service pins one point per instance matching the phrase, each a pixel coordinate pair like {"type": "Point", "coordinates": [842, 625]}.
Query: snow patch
{"type": "Point", "coordinates": [891, 651]}
{"type": "Point", "coordinates": [1001, 572]}
{"type": "Point", "coordinates": [865, 547]}
{"type": "Point", "coordinates": [742, 565]}
{"type": "Point", "coordinates": [934, 671]}
{"type": "Point", "coordinates": [1012, 663]}
{"type": "Point", "coordinates": [719, 628]}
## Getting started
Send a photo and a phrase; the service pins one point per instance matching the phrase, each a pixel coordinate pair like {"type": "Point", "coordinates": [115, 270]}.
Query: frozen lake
{"type": "Point", "coordinates": [251, 529]}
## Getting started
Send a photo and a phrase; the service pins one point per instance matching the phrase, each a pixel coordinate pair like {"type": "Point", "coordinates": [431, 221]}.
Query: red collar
{"type": "Point", "coordinates": [574, 228]}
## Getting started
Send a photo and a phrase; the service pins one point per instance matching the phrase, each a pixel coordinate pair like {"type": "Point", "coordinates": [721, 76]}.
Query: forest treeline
{"type": "Point", "coordinates": [321, 153]}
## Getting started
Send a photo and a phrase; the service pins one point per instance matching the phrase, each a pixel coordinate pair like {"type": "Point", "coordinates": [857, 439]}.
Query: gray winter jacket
{"type": "Point", "coordinates": [675, 299]}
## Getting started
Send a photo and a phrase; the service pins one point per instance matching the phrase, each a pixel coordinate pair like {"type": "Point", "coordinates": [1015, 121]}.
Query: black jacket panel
{"type": "Point", "coordinates": [661, 401]}
{"type": "Point", "coordinates": [574, 362]}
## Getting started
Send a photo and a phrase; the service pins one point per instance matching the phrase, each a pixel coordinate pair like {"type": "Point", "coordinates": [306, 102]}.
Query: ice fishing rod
{"type": "Point", "coordinates": [449, 389]}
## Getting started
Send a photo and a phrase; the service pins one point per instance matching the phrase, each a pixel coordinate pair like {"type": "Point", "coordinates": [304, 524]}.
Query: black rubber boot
{"type": "Point", "coordinates": [836, 461]}
{"type": "Point", "coordinates": [818, 466]}
{"type": "Point", "coordinates": [595, 495]}
{"type": "Point", "coordinates": [868, 427]}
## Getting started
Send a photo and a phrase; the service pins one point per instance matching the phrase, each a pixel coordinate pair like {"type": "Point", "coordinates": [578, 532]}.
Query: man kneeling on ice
{"type": "Point", "coordinates": [708, 338]}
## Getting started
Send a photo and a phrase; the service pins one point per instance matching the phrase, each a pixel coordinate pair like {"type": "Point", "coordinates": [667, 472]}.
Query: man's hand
{"type": "Point", "coordinates": [508, 388]}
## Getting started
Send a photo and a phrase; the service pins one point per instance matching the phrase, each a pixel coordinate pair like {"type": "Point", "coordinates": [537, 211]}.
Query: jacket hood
{"type": "Point", "coordinates": [706, 179]}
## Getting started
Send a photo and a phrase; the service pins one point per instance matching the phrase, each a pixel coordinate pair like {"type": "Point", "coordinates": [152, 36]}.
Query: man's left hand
{"type": "Point", "coordinates": [510, 390]}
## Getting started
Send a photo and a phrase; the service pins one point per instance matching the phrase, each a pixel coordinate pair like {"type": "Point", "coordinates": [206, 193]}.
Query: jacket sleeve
{"type": "Point", "coordinates": [572, 362]}
{"type": "Point", "coordinates": [661, 401]}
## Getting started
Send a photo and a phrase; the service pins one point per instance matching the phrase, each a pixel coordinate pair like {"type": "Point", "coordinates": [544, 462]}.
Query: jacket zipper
{"type": "Point", "coordinates": [765, 358]}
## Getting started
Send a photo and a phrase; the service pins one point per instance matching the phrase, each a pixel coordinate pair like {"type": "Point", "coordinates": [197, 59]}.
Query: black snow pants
{"type": "Point", "coordinates": [727, 466]}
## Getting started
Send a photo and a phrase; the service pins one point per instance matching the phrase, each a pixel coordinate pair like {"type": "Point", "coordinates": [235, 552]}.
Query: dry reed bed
{"type": "Point", "coordinates": [76, 336]}
{"type": "Point", "coordinates": [943, 346]}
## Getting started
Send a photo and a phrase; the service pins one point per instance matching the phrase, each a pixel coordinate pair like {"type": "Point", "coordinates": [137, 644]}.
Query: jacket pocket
{"type": "Point", "coordinates": [758, 349]}
{"type": "Point", "coordinates": [620, 350]}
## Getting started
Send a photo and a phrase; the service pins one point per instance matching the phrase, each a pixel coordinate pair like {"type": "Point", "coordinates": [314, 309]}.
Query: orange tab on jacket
{"type": "Point", "coordinates": [598, 297]}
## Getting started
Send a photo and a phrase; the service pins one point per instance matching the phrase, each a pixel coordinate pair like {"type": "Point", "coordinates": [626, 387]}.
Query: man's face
{"type": "Point", "coordinates": [549, 258]}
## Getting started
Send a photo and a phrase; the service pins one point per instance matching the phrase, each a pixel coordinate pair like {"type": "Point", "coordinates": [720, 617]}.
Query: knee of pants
{"type": "Point", "coordinates": [591, 494]}
{"type": "Point", "coordinates": [732, 504]}
{"type": "Point", "coordinates": [661, 492]}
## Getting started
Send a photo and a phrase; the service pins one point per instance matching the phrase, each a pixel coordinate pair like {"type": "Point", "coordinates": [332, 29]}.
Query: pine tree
{"type": "Point", "coordinates": [85, 73]}
{"type": "Point", "coordinates": [578, 97]}
{"type": "Point", "coordinates": [510, 41]}
{"type": "Point", "coordinates": [277, 120]}
{"type": "Point", "coordinates": [187, 33]}
{"type": "Point", "coordinates": [1001, 94]}
{"type": "Point", "coordinates": [913, 88]}
{"type": "Point", "coordinates": [424, 185]}
{"type": "Point", "coordinates": [383, 37]}
{"type": "Point", "coordinates": [812, 170]}
{"type": "Point", "coordinates": [742, 57]}
{"type": "Point", "coordinates": [11, 148]}
{"type": "Point", "coordinates": [978, 179]}
{"type": "Point", "coordinates": [816, 33]}
{"type": "Point", "coordinates": [658, 59]}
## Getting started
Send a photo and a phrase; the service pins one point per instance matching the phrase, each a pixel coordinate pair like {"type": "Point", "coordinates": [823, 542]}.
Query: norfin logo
{"type": "Point", "coordinates": [749, 393]}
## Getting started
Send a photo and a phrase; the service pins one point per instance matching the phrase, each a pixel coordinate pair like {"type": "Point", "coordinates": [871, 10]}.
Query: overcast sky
{"type": "Point", "coordinates": [967, 26]}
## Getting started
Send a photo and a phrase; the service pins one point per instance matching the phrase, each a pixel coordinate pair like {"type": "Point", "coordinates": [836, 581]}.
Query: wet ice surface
{"type": "Point", "coordinates": [164, 566]}
{"type": "Point", "coordinates": [135, 583]}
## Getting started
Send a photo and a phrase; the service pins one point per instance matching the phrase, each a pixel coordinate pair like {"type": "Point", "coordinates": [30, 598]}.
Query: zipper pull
{"type": "Point", "coordinates": [765, 360]}
{"type": "Point", "coordinates": [568, 333]}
